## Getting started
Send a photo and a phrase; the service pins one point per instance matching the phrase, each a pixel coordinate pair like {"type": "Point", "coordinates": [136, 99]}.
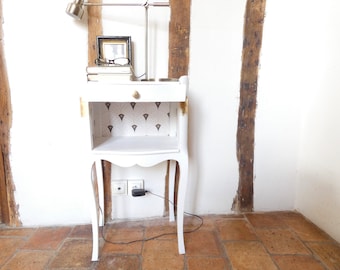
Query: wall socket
{"type": "Point", "coordinates": [134, 184]}
{"type": "Point", "coordinates": [125, 187]}
{"type": "Point", "coordinates": [119, 187]}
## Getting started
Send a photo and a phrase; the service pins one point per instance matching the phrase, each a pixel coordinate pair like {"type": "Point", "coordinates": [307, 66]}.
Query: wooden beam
{"type": "Point", "coordinates": [95, 29]}
{"type": "Point", "coordinates": [179, 33]}
{"type": "Point", "coordinates": [8, 208]}
{"type": "Point", "coordinates": [252, 42]}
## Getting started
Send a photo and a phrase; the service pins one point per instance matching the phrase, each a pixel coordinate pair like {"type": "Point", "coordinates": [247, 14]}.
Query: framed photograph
{"type": "Point", "coordinates": [114, 50]}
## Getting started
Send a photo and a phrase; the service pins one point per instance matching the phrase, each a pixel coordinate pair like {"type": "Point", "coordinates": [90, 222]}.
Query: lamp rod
{"type": "Point", "coordinates": [154, 4]}
{"type": "Point", "coordinates": [146, 43]}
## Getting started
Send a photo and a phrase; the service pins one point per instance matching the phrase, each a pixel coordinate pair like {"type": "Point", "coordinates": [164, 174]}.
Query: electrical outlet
{"type": "Point", "coordinates": [119, 187]}
{"type": "Point", "coordinates": [134, 184]}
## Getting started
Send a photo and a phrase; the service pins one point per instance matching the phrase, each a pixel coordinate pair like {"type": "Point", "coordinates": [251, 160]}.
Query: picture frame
{"type": "Point", "coordinates": [114, 50]}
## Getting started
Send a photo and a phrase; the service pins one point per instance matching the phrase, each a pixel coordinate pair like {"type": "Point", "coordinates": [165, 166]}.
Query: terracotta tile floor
{"type": "Point", "coordinates": [256, 241]}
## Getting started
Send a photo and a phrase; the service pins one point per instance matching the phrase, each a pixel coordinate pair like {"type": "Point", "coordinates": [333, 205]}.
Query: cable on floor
{"type": "Point", "coordinates": [154, 237]}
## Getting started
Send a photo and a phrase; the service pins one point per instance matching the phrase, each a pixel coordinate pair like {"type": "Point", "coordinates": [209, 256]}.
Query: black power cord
{"type": "Point", "coordinates": [142, 192]}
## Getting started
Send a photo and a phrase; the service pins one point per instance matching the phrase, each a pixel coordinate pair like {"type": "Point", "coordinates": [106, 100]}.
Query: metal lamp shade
{"type": "Point", "coordinates": [75, 10]}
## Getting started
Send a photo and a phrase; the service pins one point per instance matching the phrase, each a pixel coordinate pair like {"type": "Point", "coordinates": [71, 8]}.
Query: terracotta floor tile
{"type": "Point", "coordinates": [209, 222]}
{"type": "Point", "coordinates": [116, 237]}
{"type": "Point", "coordinates": [133, 248]}
{"type": "Point", "coordinates": [47, 238]}
{"type": "Point", "coordinates": [209, 263]}
{"type": "Point", "coordinates": [29, 260]}
{"type": "Point", "coordinates": [154, 263]}
{"type": "Point", "coordinates": [329, 253]}
{"type": "Point", "coordinates": [248, 255]}
{"type": "Point", "coordinates": [160, 249]}
{"type": "Point", "coordinates": [20, 232]}
{"type": "Point", "coordinates": [106, 262]}
{"type": "Point", "coordinates": [255, 241]}
{"type": "Point", "coordinates": [289, 214]}
{"type": "Point", "coordinates": [265, 220]}
{"type": "Point", "coordinates": [291, 262]}
{"type": "Point", "coordinates": [235, 230]}
{"type": "Point", "coordinates": [193, 223]}
{"type": "Point", "coordinates": [222, 218]}
{"type": "Point", "coordinates": [163, 225]}
{"type": "Point", "coordinates": [281, 241]}
{"type": "Point", "coordinates": [74, 254]}
{"type": "Point", "coordinates": [233, 216]}
{"type": "Point", "coordinates": [157, 222]}
{"type": "Point", "coordinates": [113, 229]}
{"type": "Point", "coordinates": [82, 231]}
{"type": "Point", "coordinates": [169, 231]}
{"type": "Point", "coordinates": [162, 254]}
{"type": "Point", "coordinates": [8, 247]}
{"type": "Point", "coordinates": [127, 224]}
{"type": "Point", "coordinates": [202, 243]}
{"type": "Point", "coordinates": [306, 230]}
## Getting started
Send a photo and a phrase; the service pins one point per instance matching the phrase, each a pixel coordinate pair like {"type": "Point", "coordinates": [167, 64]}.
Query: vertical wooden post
{"type": "Point", "coordinates": [252, 42]}
{"type": "Point", "coordinates": [9, 214]}
{"type": "Point", "coordinates": [179, 34]}
{"type": "Point", "coordinates": [95, 29]}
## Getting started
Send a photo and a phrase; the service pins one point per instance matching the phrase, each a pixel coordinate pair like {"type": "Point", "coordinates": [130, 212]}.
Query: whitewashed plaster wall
{"type": "Point", "coordinates": [278, 117]}
{"type": "Point", "coordinates": [214, 70]}
{"type": "Point", "coordinates": [47, 141]}
{"type": "Point", "coordinates": [46, 56]}
{"type": "Point", "coordinates": [297, 131]}
{"type": "Point", "coordinates": [318, 186]}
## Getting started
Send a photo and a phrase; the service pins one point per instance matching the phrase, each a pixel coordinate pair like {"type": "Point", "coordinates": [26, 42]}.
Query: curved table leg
{"type": "Point", "coordinates": [95, 216]}
{"type": "Point", "coordinates": [183, 177]}
{"type": "Point", "coordinates": [100, 186]}
{"type": "Point", "coordinates": [172, 175]}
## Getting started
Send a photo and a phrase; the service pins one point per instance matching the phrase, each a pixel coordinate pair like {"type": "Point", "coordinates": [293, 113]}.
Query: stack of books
{"type": "Point", "coordinates": [112, 73]}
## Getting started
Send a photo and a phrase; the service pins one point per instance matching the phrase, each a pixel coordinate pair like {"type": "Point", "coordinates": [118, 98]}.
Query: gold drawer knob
{"type": "Point", "coordinates": [136, 95]}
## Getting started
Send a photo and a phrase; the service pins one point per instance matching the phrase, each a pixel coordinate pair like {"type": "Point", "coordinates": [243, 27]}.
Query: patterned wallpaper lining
{"type": "Point", "coordinates": [133, 119]}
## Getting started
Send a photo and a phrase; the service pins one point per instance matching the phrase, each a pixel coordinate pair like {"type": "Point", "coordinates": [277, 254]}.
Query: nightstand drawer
{"type": "Point", "coordinates": [150, 91]}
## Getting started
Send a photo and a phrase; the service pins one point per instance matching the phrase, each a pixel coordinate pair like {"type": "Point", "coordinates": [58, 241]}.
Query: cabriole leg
{"type": "Point", "coordinates": [94, 215]}
{"type": "Point", "coordinates": [172, 175]}
{"type": "Point", "coordinates": [183, 177]}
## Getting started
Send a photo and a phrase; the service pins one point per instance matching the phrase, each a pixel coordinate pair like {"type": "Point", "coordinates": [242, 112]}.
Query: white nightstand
{"type": "Point", "coordinates": [144, 145]}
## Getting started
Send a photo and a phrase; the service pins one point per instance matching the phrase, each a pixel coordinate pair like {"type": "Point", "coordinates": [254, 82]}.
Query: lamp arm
{"type": "Point", "coordinates": [76, 10]}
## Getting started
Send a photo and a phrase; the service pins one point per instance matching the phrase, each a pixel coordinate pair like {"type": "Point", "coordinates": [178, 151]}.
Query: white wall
{"type": "Point", "coordinates": [297, 129]}
{"type": "Point", "coordinates": [215, 64]}
{"type": "Point", "coordinates": [46, 56]}
{"type": "Point", "coordinates": [46, 59]}
{"type": "Point", "coordinates": [318, 190]}
{"type": "Point", "coordinates": [282, 83]}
